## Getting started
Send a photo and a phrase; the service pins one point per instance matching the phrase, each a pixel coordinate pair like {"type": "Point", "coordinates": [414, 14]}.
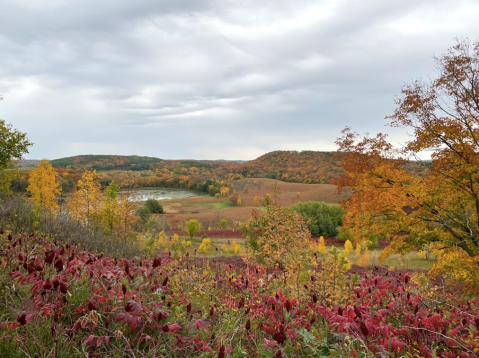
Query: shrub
{"type": "Point", "coordinates": [205, 246]}
{"type": "Point", "coordinates": [223, 224]}
{"type": "Point", "coordinates": [278, 237]}
{"type": "Point", "coordinates": [324, 218]}
{"type": "Point", "coordinates": [144, 213]}
{"type": "Point", "coordinates": [348, 247]}
{"type": "Point", "coordinates": [192, 227]}
{"type": "Point", "coordinates": [154, 206]}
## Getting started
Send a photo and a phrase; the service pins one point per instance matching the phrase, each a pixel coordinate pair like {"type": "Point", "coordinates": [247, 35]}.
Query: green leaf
{"type": "Point", "coordinates": [307, 336]}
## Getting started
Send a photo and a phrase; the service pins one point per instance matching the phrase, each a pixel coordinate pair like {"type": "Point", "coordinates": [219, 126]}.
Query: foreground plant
{"type": "Point", "coordinates": [61, 301]}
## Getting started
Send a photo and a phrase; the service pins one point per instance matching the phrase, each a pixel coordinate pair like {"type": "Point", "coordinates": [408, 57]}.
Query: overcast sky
{"type": "Point", "coordinates": [219, 79]}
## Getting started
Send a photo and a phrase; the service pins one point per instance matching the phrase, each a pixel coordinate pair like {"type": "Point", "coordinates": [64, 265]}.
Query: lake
{"type": "Point", "coordinates": [143, 194]}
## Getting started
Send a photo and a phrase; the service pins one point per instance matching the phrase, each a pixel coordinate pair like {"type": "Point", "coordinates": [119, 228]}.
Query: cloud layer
{"type": "Point", "coordinates": [213, 79]}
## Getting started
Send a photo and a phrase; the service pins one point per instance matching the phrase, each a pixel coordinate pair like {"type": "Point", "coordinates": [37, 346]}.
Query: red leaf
{"type": "Point", "coordinates": [22, 319]}
{"type": "Point", "coordinates": [88, 340]}
{"type": "Point", "coordinates": [63, 288]}
{"type": "Point", "coordinates": [279, 337]}
{"type": "Point", "coordinates": [59, 265]}
{"type": "Point", "coordinates": [221, 353]}
{"type": "Point", "coordinates": [288, 305]}
{"type": "Point", "coordinates": [364, 329]}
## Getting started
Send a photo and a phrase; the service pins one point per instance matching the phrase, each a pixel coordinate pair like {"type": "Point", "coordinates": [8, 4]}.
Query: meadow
{"type": "Point", "coordinates": [210, 210]}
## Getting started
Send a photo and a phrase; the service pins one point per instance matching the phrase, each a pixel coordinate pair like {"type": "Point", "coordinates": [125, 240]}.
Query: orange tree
{"type": "Point", "coordinates": [442, 207]}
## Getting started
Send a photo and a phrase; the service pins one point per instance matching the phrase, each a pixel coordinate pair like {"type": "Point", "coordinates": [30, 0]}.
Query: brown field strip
{"type": "Point", "coordinates": [209, 211]}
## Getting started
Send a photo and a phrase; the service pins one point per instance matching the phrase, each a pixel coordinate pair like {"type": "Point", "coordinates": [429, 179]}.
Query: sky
{"type": "Point", "coordinates": [190, 79]}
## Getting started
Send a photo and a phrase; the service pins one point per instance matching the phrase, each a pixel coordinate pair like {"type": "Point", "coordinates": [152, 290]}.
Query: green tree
{"type": "Point", "coordinates": [154, 206]}
{"type": "Point", "coordinates": [192, 227]}
{"type": "Point", "coordinates": [144, 213]}
{"type": "Point", "coordinates": [324, 218]}
{"type": "Point", "coordinates": [111, 191]}
{"type": "Point", "coordinates": [13, 144]}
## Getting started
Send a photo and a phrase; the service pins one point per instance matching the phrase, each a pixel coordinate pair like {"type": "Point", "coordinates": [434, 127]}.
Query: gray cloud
{"type": "Point", "coordinates": [213, 79]}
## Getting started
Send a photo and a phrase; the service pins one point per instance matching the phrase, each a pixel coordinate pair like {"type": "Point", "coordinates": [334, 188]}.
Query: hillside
{"type": "Point", "coordinates": [105, 162]}
{"type": "Point", "coordinates": [310, 167]}
{"type": "Point", "coordinates": [307, 167]}
{"type": "Point", "coordinates": [298, 167]}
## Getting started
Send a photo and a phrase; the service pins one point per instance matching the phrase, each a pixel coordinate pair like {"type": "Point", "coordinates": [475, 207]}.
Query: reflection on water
{"type": "Point", "coordinates": [159, 194]}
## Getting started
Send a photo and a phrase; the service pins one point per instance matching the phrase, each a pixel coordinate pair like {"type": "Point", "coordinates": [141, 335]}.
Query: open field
{"type": "Point", "coordinates": [209, 211]}
{"type": "Point", "coordinates": [411, 261]}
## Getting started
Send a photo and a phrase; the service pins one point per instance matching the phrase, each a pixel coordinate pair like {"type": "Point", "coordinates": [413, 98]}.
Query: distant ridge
{"type": "Point", "coordinates": [311, 167]}
{"type": "Point", "coordinates": [106, 162]}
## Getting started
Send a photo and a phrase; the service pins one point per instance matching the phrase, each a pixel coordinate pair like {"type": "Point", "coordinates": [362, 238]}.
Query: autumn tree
{"type": "Point", "coordinates": [43, 186]}
{"type": "Point", "coordinates": [442, 115]}
{"type": "Point", "coordinates": [86, 201]}
{"type": "Point", "coordinates": [117, 213]}
{"type": "Point", "coordinates": [192, 227]}
{"type": "Point", "coordinates": [278, 237]}
{"type": "Point", "coordinates": [13, 144]}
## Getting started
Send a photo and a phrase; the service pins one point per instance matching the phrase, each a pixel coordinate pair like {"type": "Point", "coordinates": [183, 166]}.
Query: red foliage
{"type": "Point", "coordinates": [134, 296]}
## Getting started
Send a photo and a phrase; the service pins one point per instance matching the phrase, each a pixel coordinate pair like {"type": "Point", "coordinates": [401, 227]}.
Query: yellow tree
{"type": "Point", "coordinates": [87, 200]}
{"type": "Point", "coordinates": [442, 206]}
{"type": "Point", "coordinates": [43, 186]}
{"type": "Point", "coordinates": [278, 237]}
{"type": "Point", "coordinates": [117, 214]}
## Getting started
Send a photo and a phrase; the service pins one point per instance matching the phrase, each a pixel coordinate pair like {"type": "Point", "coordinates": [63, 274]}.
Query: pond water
{"type": "Point", "coordinates": [159, 194]}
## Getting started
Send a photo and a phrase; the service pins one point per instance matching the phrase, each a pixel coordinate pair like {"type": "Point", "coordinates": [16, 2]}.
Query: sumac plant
{"type": "Point", "coordinates": [59, 300]}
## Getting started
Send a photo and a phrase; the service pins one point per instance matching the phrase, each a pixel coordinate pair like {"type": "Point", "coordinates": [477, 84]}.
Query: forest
{"type": "Point", "coordinates": [306, 167]}
{"type": "Point", "coordinates": [86, 272]}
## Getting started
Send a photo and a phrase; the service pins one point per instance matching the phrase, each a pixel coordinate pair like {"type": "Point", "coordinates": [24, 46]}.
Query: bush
{"type": "Point", "coordinates": [154, 206]}
{"type": "Point", "coordinates": [277, 237]}
{"type": "Point", "coordinates": [144, 213]}
{"type": "Point", "coordinates": [223, 224]}
{"type": "Point", "coordinates": [324, 218]}
{"type": "Point", "coordinates": [192, 227]}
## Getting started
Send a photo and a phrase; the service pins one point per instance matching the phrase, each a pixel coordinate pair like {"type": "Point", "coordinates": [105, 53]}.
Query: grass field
{"type": "Point", "coordinates": [209, 210]}
{"type": "Point", "coordinates": [411, 261]}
